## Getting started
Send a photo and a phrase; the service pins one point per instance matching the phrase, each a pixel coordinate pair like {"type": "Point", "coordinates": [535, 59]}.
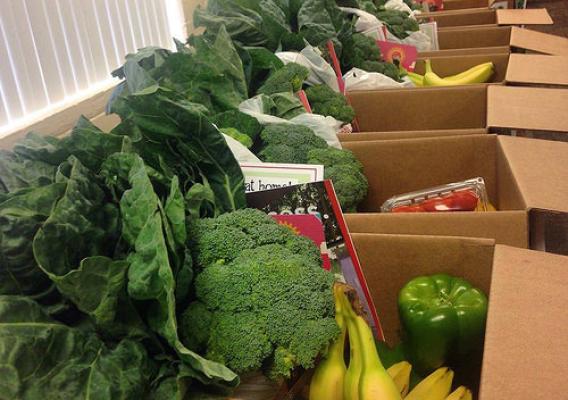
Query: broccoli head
{"type": "Point", "coordinates": [346, 173]}
{"type": "Point", "coordinates": [382, 67]}
{"type": "Point", "coordinates": [289, 78]}
{"type": "Point", "coordinates": [287, 143]}
{"type": "Point", "coordinates": [245, 140]}
{"type": "Point", "coordinates": [325, 101]}
{"type": "Point", "coordinates": [270, 307]}
{"type": "Point", "coordinates": [220, 240]}
{"type": "Point", "coordinates": [357, 49]}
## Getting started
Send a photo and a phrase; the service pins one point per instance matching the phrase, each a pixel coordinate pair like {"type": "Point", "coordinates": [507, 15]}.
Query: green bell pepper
{"type": "Point", "coordinates": [443, 320]}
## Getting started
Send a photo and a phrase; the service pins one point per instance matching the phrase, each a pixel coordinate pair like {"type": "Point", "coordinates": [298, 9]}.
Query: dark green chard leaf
{"type": "Point", "coordinates": [243, 24]}
{"type": "Point", "coordinates": [45, 359]}
{"type": "Point", "coordinates": [91, 145]}
{"type": "Point", "coordinates": [258, 63]}
{"type": "Point", "coordinates": [73, 247]}
{"type": "Point", "coordinates": [17, 173]}
{"type": "Point", "coordinates": [21, 215]}
{"type": "Point", "coordinates": [177, 135]}
{"type": "Point", "coordinates": [82, 224]}
{"type": "Point", "coordinates": [151, 277]}
{"type": "Point", "coordinates": [320, 21]}
{"type": "Point", "coordinates": [200, 201]}
{"type": "Point", "coordinates": [287, 105]}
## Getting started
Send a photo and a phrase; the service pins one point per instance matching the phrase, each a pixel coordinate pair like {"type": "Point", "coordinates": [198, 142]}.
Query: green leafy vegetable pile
{"type": "Point", "coordinates": [93, 250]}
{"type": "Point", "coordinates": [290, 25]}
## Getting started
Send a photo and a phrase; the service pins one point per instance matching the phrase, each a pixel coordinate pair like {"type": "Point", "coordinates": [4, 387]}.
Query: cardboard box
{"type": "Point", "coordinates": [495, 107]}
{"type": "Point", "coordinates": [497, 39]}
{"type": "Point", "coordinates": [527, 322]}
{"type": "Point", "coordinates": [487, 16]}
{"type": "Point", "coordinates": [521, 175]}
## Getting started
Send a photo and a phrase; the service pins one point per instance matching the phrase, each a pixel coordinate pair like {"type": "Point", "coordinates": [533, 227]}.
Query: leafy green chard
{"type": "Point", "coordinates": [151, 277]}
{"type": "Point", "coordinates": [21, 215]}
{"type": "Point", "coordinates": [44, 358]}
{"type": "Point", "coordinates": [175, 138]}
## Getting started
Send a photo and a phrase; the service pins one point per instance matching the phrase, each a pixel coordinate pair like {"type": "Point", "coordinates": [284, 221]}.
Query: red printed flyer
{"type": "Point", "coordinates": [404, 53]}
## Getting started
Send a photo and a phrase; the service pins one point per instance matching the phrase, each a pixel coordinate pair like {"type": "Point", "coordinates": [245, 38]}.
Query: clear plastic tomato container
{"type": "Point", "coordinates": [468, 195]}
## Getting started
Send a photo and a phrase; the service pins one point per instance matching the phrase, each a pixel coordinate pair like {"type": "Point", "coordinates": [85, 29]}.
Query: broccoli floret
{"type": "Point", "coordinates": [357, 49]}
{"type": "Point", "coordinates": [289, 78]}
{"type": "Point", "coordinates": [346, 173]}
{"type": "Point", "coordinates": [350, 185]}
{"type": "Point", "coordinates": [245, 140]}
{"type": "Point", "coordinates": [325, 101]}
{"type": "Point", "coordinates": [200, 319]}
{"type": "Point", "coordinates": [222, 239]}
{"type": "Point", "coordinates": [240, 121]}
{"type": "Point", "coordinates": [271, 306]}
{"type": "Point", "coordinates": [239, 341]}
{"type": "Point", "coordinates": [287, 143]}
{"type": "Point", "coordinates": [382, 67]}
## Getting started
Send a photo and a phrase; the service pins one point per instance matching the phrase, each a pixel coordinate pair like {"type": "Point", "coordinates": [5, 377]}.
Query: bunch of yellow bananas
{"type": "Point", "coordinates": [479, 74]}
{"type": "Point", "coordinates": [435, 386]}
{"type": "Point", "coordinates": [365, 378]}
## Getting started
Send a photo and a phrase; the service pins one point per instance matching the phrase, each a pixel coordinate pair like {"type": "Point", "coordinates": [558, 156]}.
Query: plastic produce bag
{"type": "Point", "coordinates": [358, 79]}
{"type": "Point", "coordinates": [398, 5]}
{"type": "Point", "coordinates": [324, 127]}
{"type": "Point", "coordinates": [310, 57]}
{"type": "Point", "coordinates": [418, 39]}
{"type": "Point", "coordinates": [241, 153]}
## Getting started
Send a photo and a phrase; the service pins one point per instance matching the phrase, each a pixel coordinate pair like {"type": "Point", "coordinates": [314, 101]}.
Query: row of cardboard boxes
{"type": "Point", "coordinates": [417, 138]}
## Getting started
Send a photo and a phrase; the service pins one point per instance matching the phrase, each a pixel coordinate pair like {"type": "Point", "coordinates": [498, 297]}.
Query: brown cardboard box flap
{"type": "Point", "coordinates": [395, 135]}
{"type": "Point", "coordinates": [527, 108]}
{"type": "Point", "coordinates": [527, 326]}
{"type": "Point", "coordinates": [540, 168]}
{"type": "Point", "coordinates": [537, 69]}
{"type": "Point", "coordinates": [537, 16]}
{"type": "Point", "coordinates": [505, 227]}
{"type": "Point", "coordinates": [538, 41]}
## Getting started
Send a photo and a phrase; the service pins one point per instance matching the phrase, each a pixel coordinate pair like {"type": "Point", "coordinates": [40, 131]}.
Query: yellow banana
{"type": "Point", "coordinates": [461, 393]}
{"type": "Point", "coordinates": [477, 75]}
{"type": "Point", "coordinates": [374, 381]}
{"type": "Point", "coordinates": [400, 374]}
{"type": "Point", "coordinates": [327, 381]}
{"type": "Point", "coordinates": [417, 79]}
{"type": "Point", "coordinates": [467, 72]}
{"type": "Point", "coordinates": [435, 386]}
{"type": "Point", "coordinates": [353, 374]}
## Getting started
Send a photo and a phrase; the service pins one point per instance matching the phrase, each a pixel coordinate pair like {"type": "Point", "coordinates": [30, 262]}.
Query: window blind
{"type": "Point", "coordinates": [56, 52]}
